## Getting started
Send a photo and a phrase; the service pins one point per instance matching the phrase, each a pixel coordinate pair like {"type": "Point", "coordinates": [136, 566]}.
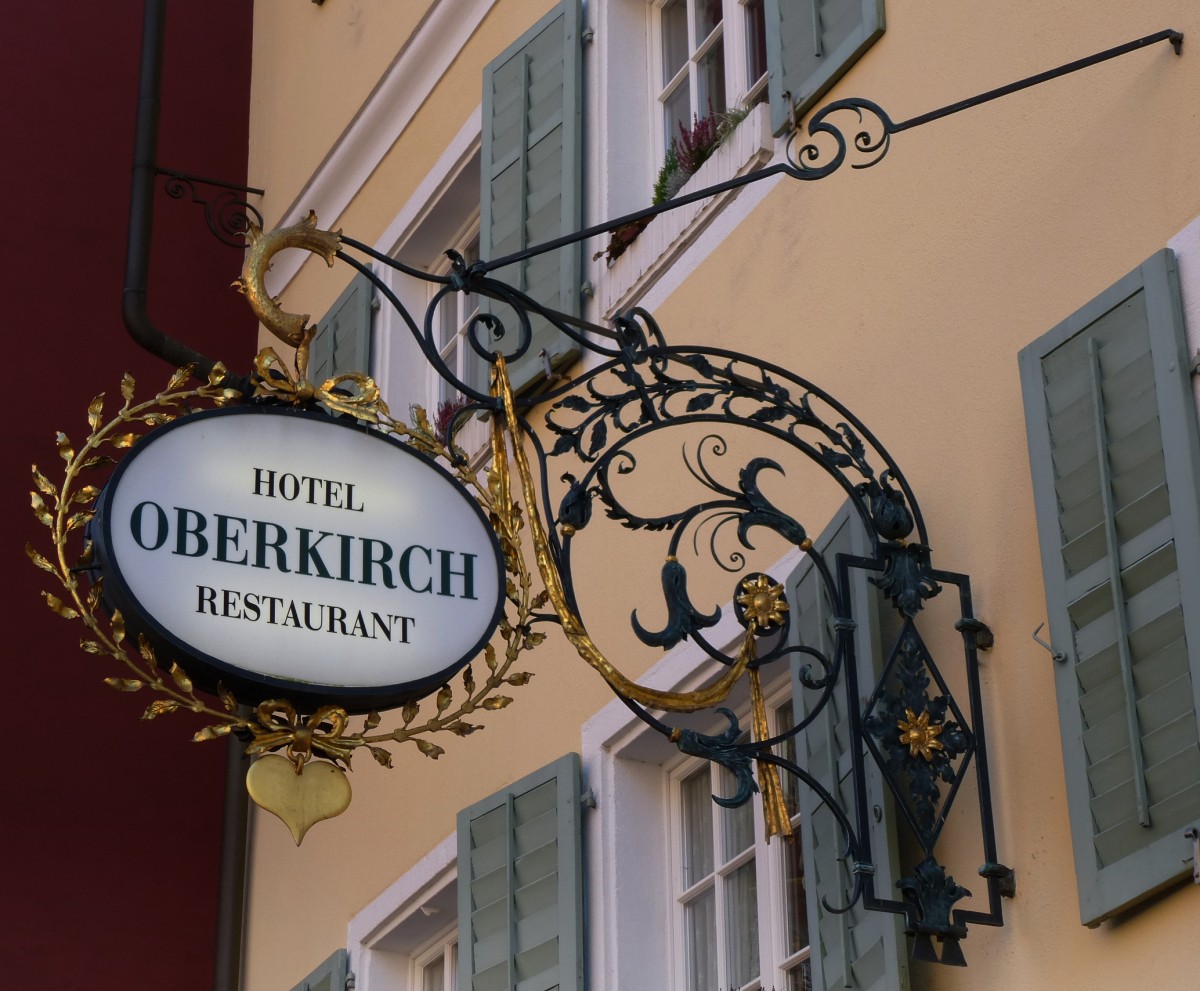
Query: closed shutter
{"type": "Point", "coordinates": [343, 339]}
{"type": "Point", "coordinates": [331, 975]}
{"type": "Point", "coordinates": [860, 948]}
{"type": "Point", "coordinates": [810, 45]}
{"type": "Point", "coordinates": [1115, 461]}
{"type": "Point", "coordinates": [530, 171]}
{"type": "Point", "coordinates": [520, 890]}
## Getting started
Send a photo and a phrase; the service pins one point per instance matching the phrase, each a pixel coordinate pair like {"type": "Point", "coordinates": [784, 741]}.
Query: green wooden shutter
{"type": "Point", "coordinates": [810, 45]}
{"type": "Point", "coordinates": [331, 975]}
{"type": "Point", "coordinates": [1115, 460]}
{"type": "Point", "coordinates": [343, 339]}
{"type": "Point", "coordinates": [530, 172]}
{"type": "Point", "coordinates": [520, 889]}
{"type": "Point", "coordinates": [860, 948]}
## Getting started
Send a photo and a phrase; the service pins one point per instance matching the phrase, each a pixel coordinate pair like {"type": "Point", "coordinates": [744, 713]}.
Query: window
{"type": "Point", "coordinates": [712, 55]}
{"type": "Point", "coordinates": [638, 845]}
{"type": "Point", "coordinates": [1115, 458]}
{"type": "Point", "coordinates": [451, 321]}
{"type": "Point", "coordinates": [437, 967]}
{"type": "Point", "coordinates": [407, 938]}
{"type": "Point", "coordinates": [453, 315]}
{"type": "Point", "coordinates": [741, 909]}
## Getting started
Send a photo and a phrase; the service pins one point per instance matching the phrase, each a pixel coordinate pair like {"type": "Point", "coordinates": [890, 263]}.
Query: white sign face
{"type": "Point", "coordinates": [309, 556]}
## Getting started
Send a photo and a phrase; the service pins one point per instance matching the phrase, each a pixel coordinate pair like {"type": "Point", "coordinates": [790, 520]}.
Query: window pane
{"type": "Point", "coordinates": [677, 112]}
{"type": "Point", "coordinates": [447, 321]}
{"type": "Point", "coordinates": [708, 16]}
{"type": "Point", "coordinates": [738, 824]}
{"type": "Point", "coordinates": [433, 975]}
{"type": "Point", "coordinates": [696, 808]}
{"type": "Point", "coordinates": [756, 42]}
{"type": "Point", "coordinates": [674, 38]}
{"type": "Point", "coordinates": [710, 81]}
{"type": "Point", "coordinates": [793, 888]}
{"type": "Point", "coordinates": [700, 935]}
{"type": "Point", "coordinates": [741, 926]}
{"type": "Point", "coordinates": [785, 720]}
{"type": "Point", "coordinates": [800, 978]}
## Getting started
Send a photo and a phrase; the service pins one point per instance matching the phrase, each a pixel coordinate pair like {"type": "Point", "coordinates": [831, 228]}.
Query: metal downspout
{"type": "Point", "coordinates": [227, 953]}
{"type": "Point", "coordinates": [141, 204]}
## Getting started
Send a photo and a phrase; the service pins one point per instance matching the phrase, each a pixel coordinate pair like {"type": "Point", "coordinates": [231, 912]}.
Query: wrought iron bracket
{"type": "Point", "coordinates": [228, 212]}
{"type": "Point", "coordinates": [907, 727]}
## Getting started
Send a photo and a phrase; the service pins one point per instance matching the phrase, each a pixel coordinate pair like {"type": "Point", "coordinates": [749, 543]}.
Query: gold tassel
{"type": "Point", "coordinates": [775, 814]}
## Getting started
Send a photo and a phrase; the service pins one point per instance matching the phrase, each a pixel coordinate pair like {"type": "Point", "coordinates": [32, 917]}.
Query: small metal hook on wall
{"type": "Point", "coordinates": [1058, 655]}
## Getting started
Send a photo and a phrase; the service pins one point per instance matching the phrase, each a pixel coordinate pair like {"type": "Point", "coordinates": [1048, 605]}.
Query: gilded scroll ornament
{"type": "Point", "coordinates": [288, 327]}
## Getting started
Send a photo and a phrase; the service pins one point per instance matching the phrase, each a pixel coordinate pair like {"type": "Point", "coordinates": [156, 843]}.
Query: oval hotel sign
{"type": "Point", "coordinates": [292, 554]}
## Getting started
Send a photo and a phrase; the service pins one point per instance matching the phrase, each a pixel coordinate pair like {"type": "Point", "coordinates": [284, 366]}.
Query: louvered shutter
{"type": "Point", "coordinates": [1115, 461]}
{"type": "Point", "coordinates": [520, 890]}
{"type": "Point", "coordinates": [860, 948]}
{"type": "Point", "coordinates": [331, 975]}
{"type": "Point", "coordinates": [530, 170]}
{"type": "Point", "coordinates": [810, 45]}
{"type": "Point", "coordinates": [343, 339]}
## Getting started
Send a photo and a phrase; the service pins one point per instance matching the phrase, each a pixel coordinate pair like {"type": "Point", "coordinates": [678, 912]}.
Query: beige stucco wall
{"type": "Point", "coordinates": [906, 290]}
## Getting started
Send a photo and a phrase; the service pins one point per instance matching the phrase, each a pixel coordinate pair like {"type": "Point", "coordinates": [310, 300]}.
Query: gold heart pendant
{"type": "Point", "coordinates": [300, 800]}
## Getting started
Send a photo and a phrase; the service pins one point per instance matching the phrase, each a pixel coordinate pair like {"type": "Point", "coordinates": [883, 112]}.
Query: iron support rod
{"type": "Point", "coordinates": [219, 183]}
{"type": "Point", "coordinates": [1174, 37]}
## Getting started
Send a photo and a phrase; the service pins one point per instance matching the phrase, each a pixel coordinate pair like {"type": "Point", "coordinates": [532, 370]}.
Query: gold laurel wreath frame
{"type": "Point", "coordinates": [275, 724]}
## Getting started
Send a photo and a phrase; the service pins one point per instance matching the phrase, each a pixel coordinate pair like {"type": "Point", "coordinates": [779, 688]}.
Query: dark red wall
{"type": "Point", "coordinates": [111, 824]}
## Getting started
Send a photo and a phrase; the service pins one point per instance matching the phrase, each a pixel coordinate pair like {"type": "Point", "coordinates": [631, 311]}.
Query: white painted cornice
{"type": "Point", "coordinates": [401, 92]}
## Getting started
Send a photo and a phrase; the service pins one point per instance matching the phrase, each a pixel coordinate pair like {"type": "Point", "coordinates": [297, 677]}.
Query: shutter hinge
{"type": "Point", "coordinates": [588, 799]}
{"type": "Point", "coordinates": [1193, 833]}
{"type": "Point", "coordinates": [588, 35]}
{"type": "Point", "coordinates": [551, 375]}
{"type": "Point", "coordinates": [587, 289]}
{"type": "Point", "coordinates": [1194, 364]}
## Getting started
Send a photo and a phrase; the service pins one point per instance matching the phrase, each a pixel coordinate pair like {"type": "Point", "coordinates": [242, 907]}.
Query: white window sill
{"type": "Point", "coordinates": [668, 235]}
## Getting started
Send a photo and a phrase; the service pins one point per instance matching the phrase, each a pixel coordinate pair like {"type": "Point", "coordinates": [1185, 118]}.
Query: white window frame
{"type": "Point", "coordinates": [394, 936]}
{"type": "Point", "coordinates": [472, 435]}
{"type": "Point", "coordinates": [631, 887]}
{"type": "Point", "coordinates": [775, 960]}
{"type": "Point", "coordinates": [731, 35]}
{"type": "Point", "coordinates": [625, 146]}
{"type": "Point", "coordinates": [444, 947]}
{"type": "Point", "coordinates": [442, 213]}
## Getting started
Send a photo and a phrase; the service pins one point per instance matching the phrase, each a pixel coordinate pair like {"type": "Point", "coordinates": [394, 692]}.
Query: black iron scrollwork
{"type": "Point", "coordinates": [227, 211]}
{"type": "Point", "coordinates": [911, 725]}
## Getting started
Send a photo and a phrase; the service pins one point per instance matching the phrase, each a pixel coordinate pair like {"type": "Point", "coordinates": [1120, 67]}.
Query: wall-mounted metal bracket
{"type": "Point", "coordinates": [1005, 876]}
{"type": "Point", "coordinates": [984, 638]}
{"type": "Point", "coordinates": [228, 212]}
